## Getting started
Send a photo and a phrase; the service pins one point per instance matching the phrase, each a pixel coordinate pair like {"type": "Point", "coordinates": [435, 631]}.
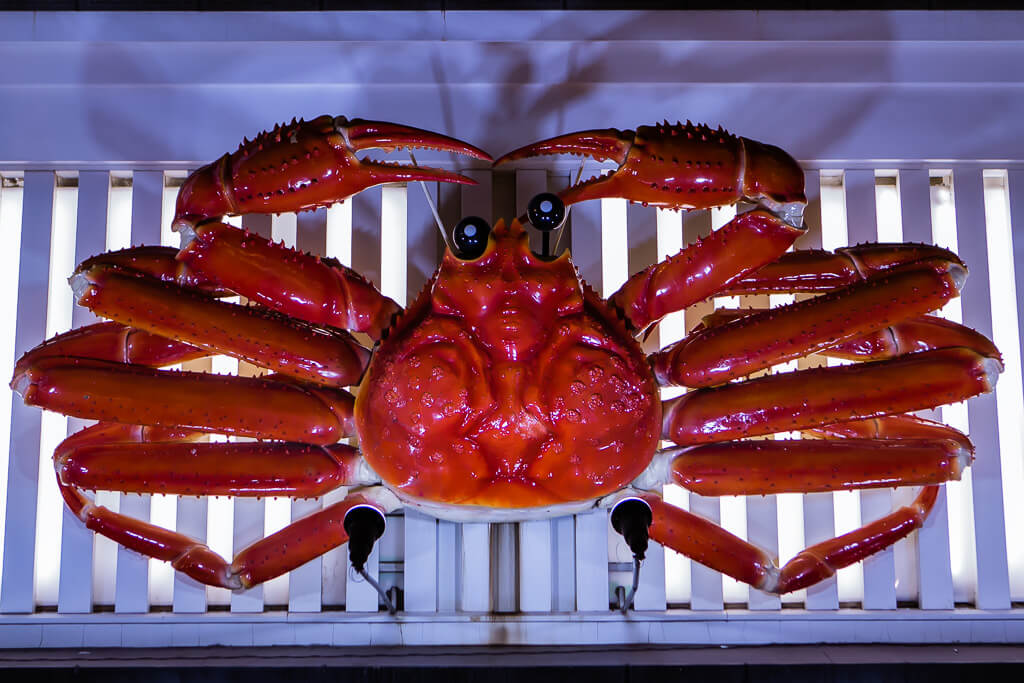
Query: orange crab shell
{"type": "Point", "coordinates": [509, 384]}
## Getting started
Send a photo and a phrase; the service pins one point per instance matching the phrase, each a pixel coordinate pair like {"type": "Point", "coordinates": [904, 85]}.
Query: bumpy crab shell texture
{"type": "Point", "coordinates": [508, 383]}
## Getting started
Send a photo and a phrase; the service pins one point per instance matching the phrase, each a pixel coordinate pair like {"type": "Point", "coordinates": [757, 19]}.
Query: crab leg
{"type": "Point", "coordinates": [714, 547]}
{"type": "Point", "coordinates": [922, 333]}
{"type": "Point", "coordinates": [112, 342]}
{"type": "Point", "coordinates": [814, 270]}
{"type": "Point", "coordinates": [269, 468]}
{"type": "Point", "coordinates": [159, 262]}
{"type": "Point", "coordinates": [309, 164]}
{"type": "Point", "coordinates": [747, 242]}
{"type": "Point", "coordinates": [808, 398]}
{"type": "Point", "coordinates": [892, 427]}
{"type": "Point", "coordinates": [754, 342]}
{"type": "Point", "coordinates": [272, 556]}
{"type": "Point", "coordinates": [751, 468]}
{"type": "Point", "coordinates": [290, 281]}
{"type": "Point", "coordinates": [277, 408]}
{"type": "Point", "coordinates": [329, 357]}
{"type": "Point", "coordinates": [677, 166]}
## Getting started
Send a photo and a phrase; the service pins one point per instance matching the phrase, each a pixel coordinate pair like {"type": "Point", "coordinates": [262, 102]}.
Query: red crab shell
{"type": "Point", "coordinates": [508, 384]}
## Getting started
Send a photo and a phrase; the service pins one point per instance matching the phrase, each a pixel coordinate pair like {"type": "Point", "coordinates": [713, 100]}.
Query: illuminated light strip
{"type": "Point", "coordinates": [889, 221]}
{"type": "Point", "coordinates": [163, 508]}
{"type": "Point", "coordinates": [850, 581]}
{"type": "Point", "coordinates": [992, 583]}
{"type": "Point", "coordinates": [49, 505]}
{"type": "Point", "coordinates": [816, 510]}
{"type": "Point", "coordinates": [338, 244]}
{"type": "Point", "coordinates": [1003, 274]}
{"type": "Point", "coordinates": [959, 493]}
{"type": "Point", "coordinates": [671, 329]}
{"type": "Point", "coordinates": [278, 512]}
{"type": "Point", "coordinates": [11, 191]}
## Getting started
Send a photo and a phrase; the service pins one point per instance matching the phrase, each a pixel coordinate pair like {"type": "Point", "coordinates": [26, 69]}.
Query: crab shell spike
{"type": "Point", "coordinates": [678, 167]}
{"type": "Point", "coordinates": [306, 165]}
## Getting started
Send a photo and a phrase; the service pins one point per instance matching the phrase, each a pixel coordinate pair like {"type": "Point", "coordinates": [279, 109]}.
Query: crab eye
{"type": "Point", "coordinates": [470, 237]}
{"type": "Point", "coordinates": [546, 211]}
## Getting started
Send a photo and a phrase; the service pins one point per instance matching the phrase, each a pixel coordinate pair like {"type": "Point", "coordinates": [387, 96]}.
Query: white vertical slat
{"type": "Point", "coordinates": [1006, 335]}
{"type": "Point", "coordinates": [563, 556]}
{"type": "Point", "coordinates": [421, 555]}
{"type": "Point", "coordinates": [591, 529]}
{"type": "Point", "coordinates": [671, 329]}
{"type": "Point", "coordinates": [76, 553]}
{"type": "Point", "coordinates": [338, 245]}
{"type": "Point", "coordinates": [474, 556]}
{"type": "Point", "coordinates": [249, 518]}
{"type": "Point", "coordinates": [105, 551]}
{"type": "Point", "coordinates": [447, 565]}
{"type": "Point", "coordinates": [16, 584]}
{"type": "Point", "coordinates": [277, 513]}
{"type": "Point", "coordinates": [163, 508]}
{"type": "Point", "coordinates": [536, 579]}
{"type": "Point", "coordinates": [879, 569]}
{"type": "Point", "coordinates": [705, 583]}
{"type": "Point", "coordinates": [11, 195]}
{"type": "Point", "coordinates": [1015, 209]}
{"type": "Point", "coordinates": [305, 583]}
{"type": "Point", "coordinates": [191, 519]}
{"type": "Point", "coordinates": [934, 573]}
{"type": "Point", "coordinates": [475, 546]}
{"type": "Point", "coordinates": [592, 561]}
{"type": "Point", "coordinates": [993, 590]}
{"type": "Point", "coordinates": [763, 531]}
{"type": "Point", "coordinates": [818, 508]}
{"type": "Point", "coordinates": [49, 503]}
{"type": "Point", "coordinates": [963, 559]}
{"type": "Point", "coordinates": [642, 251]}
{"type": "Point", "coordinates": [360, 596]}
{"type": "Point", "coordinates": [132, 590]}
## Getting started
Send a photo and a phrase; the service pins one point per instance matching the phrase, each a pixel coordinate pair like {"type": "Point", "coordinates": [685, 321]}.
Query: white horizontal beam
{"type": "Point", "coordinates": [731, 627]}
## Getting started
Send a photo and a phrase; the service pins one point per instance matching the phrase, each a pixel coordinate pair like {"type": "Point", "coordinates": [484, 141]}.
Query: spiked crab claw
{"type": "Point", "coordinates": [680, 167]}
{"type": "Point", "coordinates": [309, 164]}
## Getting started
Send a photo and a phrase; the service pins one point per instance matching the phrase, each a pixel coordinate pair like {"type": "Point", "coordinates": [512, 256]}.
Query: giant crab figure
{"type": "Point", "coordinates": [508, 390]}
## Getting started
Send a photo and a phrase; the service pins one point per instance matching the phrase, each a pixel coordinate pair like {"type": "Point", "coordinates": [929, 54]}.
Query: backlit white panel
{"type": "Point", "coordinates": [934, 579]}
{"type": "Point", "coordinates": [834, 116]}
{"type": "Point", "coordinates": [54, 425]}
{"type": "Point", "coordinates": [17, 582]}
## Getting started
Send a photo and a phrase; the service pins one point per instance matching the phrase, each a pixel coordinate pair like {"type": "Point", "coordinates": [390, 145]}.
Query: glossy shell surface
{"type": "Point", "coordinates": [508, 384]}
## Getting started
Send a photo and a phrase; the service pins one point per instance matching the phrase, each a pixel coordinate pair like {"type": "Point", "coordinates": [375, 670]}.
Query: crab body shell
{"type": "Point", "coordinates": [508, 384]}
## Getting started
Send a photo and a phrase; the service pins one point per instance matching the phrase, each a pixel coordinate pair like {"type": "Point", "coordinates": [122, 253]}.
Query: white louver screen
{"type": "Point", "coordinates": [959, 578]}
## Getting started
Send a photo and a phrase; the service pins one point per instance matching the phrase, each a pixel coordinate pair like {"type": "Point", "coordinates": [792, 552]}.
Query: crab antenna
{"type": "Point", "coordinates": [433, 208]}
{"type": "Point", "coordinates": [568, 209]}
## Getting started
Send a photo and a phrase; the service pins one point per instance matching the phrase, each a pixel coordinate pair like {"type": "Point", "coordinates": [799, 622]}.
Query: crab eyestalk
{"type": "Point", "coordinates": [305, 165]}
{"type": "Point", "coordinates": [681, 167]}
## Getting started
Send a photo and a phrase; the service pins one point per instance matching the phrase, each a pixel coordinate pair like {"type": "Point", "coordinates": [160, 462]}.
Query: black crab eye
{"type": "Point", "coordinates": [546, 211]}
{"type": "Point", "coordinates": [470, 237]}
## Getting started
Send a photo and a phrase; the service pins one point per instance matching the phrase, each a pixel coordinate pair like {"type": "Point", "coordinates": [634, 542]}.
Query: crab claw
{"type": "Point", "coordinates": [305, 165]}
{"type": "Point", "coordinates": [681, 166]}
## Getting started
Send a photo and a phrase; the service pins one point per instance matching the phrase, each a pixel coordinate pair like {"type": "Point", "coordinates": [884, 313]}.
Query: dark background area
{"type": "Point", "coordinates": [336, 5]}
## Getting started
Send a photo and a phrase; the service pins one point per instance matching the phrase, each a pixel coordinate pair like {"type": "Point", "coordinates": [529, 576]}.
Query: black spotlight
{"type": "Point", "coordinates": [470, 237]}
{"type": "Point", "coordinates": [546, 213]}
